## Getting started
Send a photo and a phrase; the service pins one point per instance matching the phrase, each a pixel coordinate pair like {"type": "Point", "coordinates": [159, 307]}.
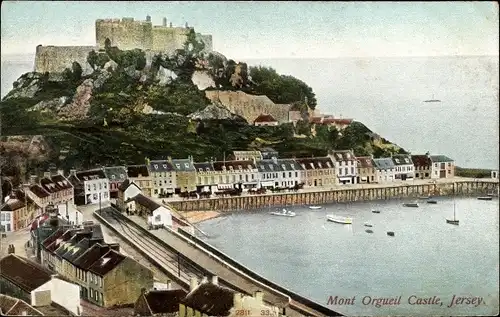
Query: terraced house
{"type": "Point", "coordinates": [40, 197]}
{"type": "Point", "coordinates": [247, 155]}
{"type": "Point", "coordinates": [280, 173]}
{"type": "Point", "coordinates": [185, 174]}
{"type": "Point", "coordinates": [164, 178]}
{"type": "Point", "coordinates": [235, 174]}
{"type": "Point", "coordinates": [423, 166]}
{"type": "Point", "coordinates": [139, 174]}
{"type": "Point", "coordinates": [90, 187]}
{"type": "Point", "coordinates": [116, 175]}
{"type": "Point", "coordinates": [59, 188]}
{"type": "Point", "coordinates": [442, 166]}
{"type": "Point", "coordinates": [384, 168]}
{"type": "Point", "coordinates": [14, 213]}
{"type": "Point", "coordinates": [345, 166]}
{"type": "Point", "coordinates": [205, 177]}
{"type": "Point", "coordinates": [403, 167]}
{"type": "Point", "coordinates": [318, 171]}
{"type": "Point", "coordinates": [366, 170]}
{"type": "Point", "coordinates": [105, 276]}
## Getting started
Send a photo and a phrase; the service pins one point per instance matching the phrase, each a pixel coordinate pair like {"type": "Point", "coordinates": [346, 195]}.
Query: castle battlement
{"type": "Point", "coordinates": [126, 34]}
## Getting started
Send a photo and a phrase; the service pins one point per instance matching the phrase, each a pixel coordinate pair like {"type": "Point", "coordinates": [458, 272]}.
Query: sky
{"type": "Point", "coordinates": [256, 30]}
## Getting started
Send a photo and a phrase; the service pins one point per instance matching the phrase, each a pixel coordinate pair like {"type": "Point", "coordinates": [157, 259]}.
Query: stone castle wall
{"type": "Point", "coordinates": [126, 34]}
{"type": "Point", "coordinates": [54, 59]}
{"type": "Point", "coordinates": [249, 106]}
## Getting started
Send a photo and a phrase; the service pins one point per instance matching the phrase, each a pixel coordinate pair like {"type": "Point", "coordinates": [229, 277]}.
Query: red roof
{"type": "Point", "coordinates": [265, 118]}
{"type": "Point", "coordinates": [41, 218]}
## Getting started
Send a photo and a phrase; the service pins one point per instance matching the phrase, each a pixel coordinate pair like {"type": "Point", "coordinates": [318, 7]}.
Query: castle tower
{"type": "Point", "coordinates": [148, 18]}
{"type": "Point", "coordinates": [164, 21]}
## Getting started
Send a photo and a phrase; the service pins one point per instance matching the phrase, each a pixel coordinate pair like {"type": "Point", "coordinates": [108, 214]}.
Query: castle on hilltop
{"type": "Point", "coordinates": [125, 34]}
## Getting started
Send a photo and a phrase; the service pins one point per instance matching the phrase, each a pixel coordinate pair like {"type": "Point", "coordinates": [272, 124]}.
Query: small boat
{"type": "Point", "coordinates": [432, 201]}
{"type": "Point", "coordinates": [368, 225]}
{"type": "Point", "coordinates": [376, 211]}
{"type": "Point", "coordinates": [453, 221]}
{"type": "Point", "coordinates": [342, 220]}
{"type": "Point", "coordinates": [283, 213]}
{"type": "Point", "coordinates": [424, 197]}
{"type": "Point", "coordinates": [390, 233]}
{"type": "Point", "coordinates": [410, 204]}
{"type": "Point", "coordinates": [315, 207]}
{"type": "Point", "coordinates": [485, 198]}
{"type": "Point", "coordinates": [369, 231]}
{"type": "Point", "coordinates": [432, 100]}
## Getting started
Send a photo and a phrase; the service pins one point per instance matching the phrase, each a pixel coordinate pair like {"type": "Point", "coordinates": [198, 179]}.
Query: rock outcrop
{"type": "Point", "coordinates": [249, 106]}
{"type": "Point", "coordinates": [202, 80]}
{"type": "Point", "coordinates": [53, 105]}
{"type": "Point", "coordinates": [214, 111]}
{"type": "Point", "coordinates": [26, 86]}
{"type": "Point", "coordinates": [165, 76]}
{"type": "Point", "coordinates": [80, 105]}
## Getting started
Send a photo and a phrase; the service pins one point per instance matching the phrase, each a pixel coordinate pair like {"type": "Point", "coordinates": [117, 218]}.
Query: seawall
{"type": "Point", "coordinates": [336, 195]}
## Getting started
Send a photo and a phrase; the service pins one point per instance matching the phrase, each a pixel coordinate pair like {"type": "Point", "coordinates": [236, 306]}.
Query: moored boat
{"type": "Point", "coordinates": [390, 233]}
{"type": "Point", "coordinates": [485, 198]}
{"type": "Point", "coordinates": [368, 225]}
{"type": "Point", "coordinates": [283, 213]}
{"type": "Point", "coordinates": [410, 204]}
{"type": "Point", "coordinates": [369, 231]}
{"type": "Point", "coordinates": [432, 201]}
{"type": "Point", "coordinates": [376, 211]}
{"type": "Point", "coordinates": [315, 207]}
{"type": "Point", "coordinates": [337, 219]}
{"type": "Point", "coordinates": [453, 221]}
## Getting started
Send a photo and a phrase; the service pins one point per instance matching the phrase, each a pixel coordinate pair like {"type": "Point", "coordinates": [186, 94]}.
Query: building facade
{"type": "Point", "coordinates": [116, 175]}
{"type": "Point", "coordinates": [403, 167]}
{"type": "Point", "coordinates": [91, 187]}
{"type": "Point", "coordinates": [366, 170]}
{"type": "Point", "coordinates": [127, 190]}
{"type": "Point", "coordinates": [205, 177]}
{"type": "Point", "coordinates": [442, 167]}
{"type": "Point", "coordinates": [265, 120]}
{"type": "Point", "coordinates": [185, 174]}
{"type": "Point", "coordinates": [384, 168]}
{"type": "Point", "coordinates": [318, 171]}
{"type": "Point", "coordinates": [139, 174]}
{"type": "Point", "coordinates": [423, 166]}
{"type": "Point", "coordinates": [14, 214]}
{"type": "Point", "coordinates": [242, 175]}
{"type": "Point", "coordinates": [247, 155]}
{"type": "Point", "coordinates": [164, 178]}
{"type": "Point", "coordinates": [345, 166]}
{"type": "Point", "coordinates": [59, 188]}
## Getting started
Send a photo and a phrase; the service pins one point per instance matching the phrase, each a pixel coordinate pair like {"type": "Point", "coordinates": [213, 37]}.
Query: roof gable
{"type": "Point", "coordinates": [210, 299]}
{"type": "Point", "coordinates": [106, 263]}
{"type": "Point", "coordinates": [25, 274]}
{"type": "Point", "coordinates": [440, 159]}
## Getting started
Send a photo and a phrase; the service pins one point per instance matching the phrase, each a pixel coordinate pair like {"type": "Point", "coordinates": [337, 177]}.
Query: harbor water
{"type": "Point", "coordinates": [426, 257]}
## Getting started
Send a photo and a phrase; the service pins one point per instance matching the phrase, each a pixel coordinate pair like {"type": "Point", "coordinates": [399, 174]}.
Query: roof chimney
{"type": "Point", "coordinates": [60, 172]}
{"type": "Point", "coordinates": [193, 283]}
{"type": "Point", "coordinates": [204, 280]}
{"type": "Point", "coordinates": [215, 280]}
{"type": "Point", "coordinates": [259, 296]}
{"type": "Point", "coordinates": [46, 174]}
{"type": "Point", "coordinates": [237, 300]}
{"type": "Point", "coordinates": [33, 179]}
{"type": "Point", "coordinates": [72, 172]}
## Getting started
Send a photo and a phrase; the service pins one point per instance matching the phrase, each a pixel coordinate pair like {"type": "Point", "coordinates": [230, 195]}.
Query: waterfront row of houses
{"type": "Point", "coordinates": [244, 170]}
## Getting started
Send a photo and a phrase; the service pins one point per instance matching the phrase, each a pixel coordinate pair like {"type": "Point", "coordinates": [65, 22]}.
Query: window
{"type": "Point", "coordinates": [340, 171]}
{"type": "Point", "coordinates": [95, 196]}
{"type": "Point", "coordinates": [346, 172]}
{"type": "Point", "coordinates": [105, 186]}
{"type": "Point", "coordinates": [284, 174]}
{"type": "Point", "coordinates": [95, 187]}
{"type": "Point", "coordinates": [100, 186]}
{"type": "Point", "coordinates": [105, 195]}
{"type": "Point", "coordinates": [426, 174]}
{"type": "Point", "coordinates": [352, 170]}
{"type": "Point", "coordinates": [296, 174]}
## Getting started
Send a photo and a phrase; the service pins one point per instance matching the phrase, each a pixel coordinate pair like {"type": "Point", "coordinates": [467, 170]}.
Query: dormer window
{"type": "Point", "coordinates": [262, 167]}
{"type": "Point", "coordinates": [339, 156]}
{"type": "Point", "coordinates": [112, 176]}
{"type": "Point", "coordinates": [208, 169]}
{"type": "Point", "coordinates": [122, 175]}
{"type": "Point", "coordinates": [186, 165]}
{"type": "Point", "coordinates": [312, 165]}
{"type": "Point", "coordinates": [319, 163]}
{"type": "Point", "coordinates": [303, 166]}
{"type": "Point", "coordinates": [178, 165]}
{"type": "Point", "coordinates": [165, 166]}
{"type": "Point", "coordinates": [328, 164]}
{"type": "Point", "coordinates": [249, 167]}
{"type": "Point", "coordinates": [397, 161]}
{"type": "Point", "coordinates": [156, 166]}
{"type": "Point", "coordinates": [224, 167]}
{"type": "Point", "coordinates": [283, 166]}
{"type": "Point", "coordinates": [200, 169]}
{"type": "Point", "coordinates": [240, 167]}
{"type": "Point", "coordinates": [407, 161]}
{"type": "Point", "coordinates": [348, 155]}
{"type": "Point", "coordinates": [271, 167]}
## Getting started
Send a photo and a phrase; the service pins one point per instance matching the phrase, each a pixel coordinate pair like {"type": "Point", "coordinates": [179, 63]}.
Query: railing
{"type": "Point", "coordinates": [296, 297]}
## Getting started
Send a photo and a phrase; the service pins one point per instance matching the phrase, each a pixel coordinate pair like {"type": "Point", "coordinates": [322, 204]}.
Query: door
{"type": "Point", "coordinates": [442, 174]}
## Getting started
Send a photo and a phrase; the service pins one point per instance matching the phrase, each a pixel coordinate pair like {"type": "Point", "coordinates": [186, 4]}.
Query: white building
{"type": "Point", "coordinates": [384, 169]}
{"type": "Point", "coordinates": [403, 167]}
{"type": "Point", "coordinates": [247, 155]}
{"type": "Point", "coordinates": [292, 173]}
{"type": "Point", "coordinates": [442, 167]}
{"type": "Point", "coordinates": [494, 174]}
{"type": "Point", "coordinates": [59, 291]}
{"type": "Point", "coordinates": [161, 217]}
{"type": "Point", "coordinates": [163, 175]}
{"type": "Point", "coordinates": [345, 166]}
{"type": "Point", "coordinates": [235, 174]}
{"type": "Point", "coordinates": [90, 187]}
{"type": "Point", "coordinates": [127, 190]}
{"type": "Point", "coordinates": [69, 213]}
{"type": "Point", "coordinates": [6, 221]}
{"type": "Point", "coordinates": [269, 171]}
